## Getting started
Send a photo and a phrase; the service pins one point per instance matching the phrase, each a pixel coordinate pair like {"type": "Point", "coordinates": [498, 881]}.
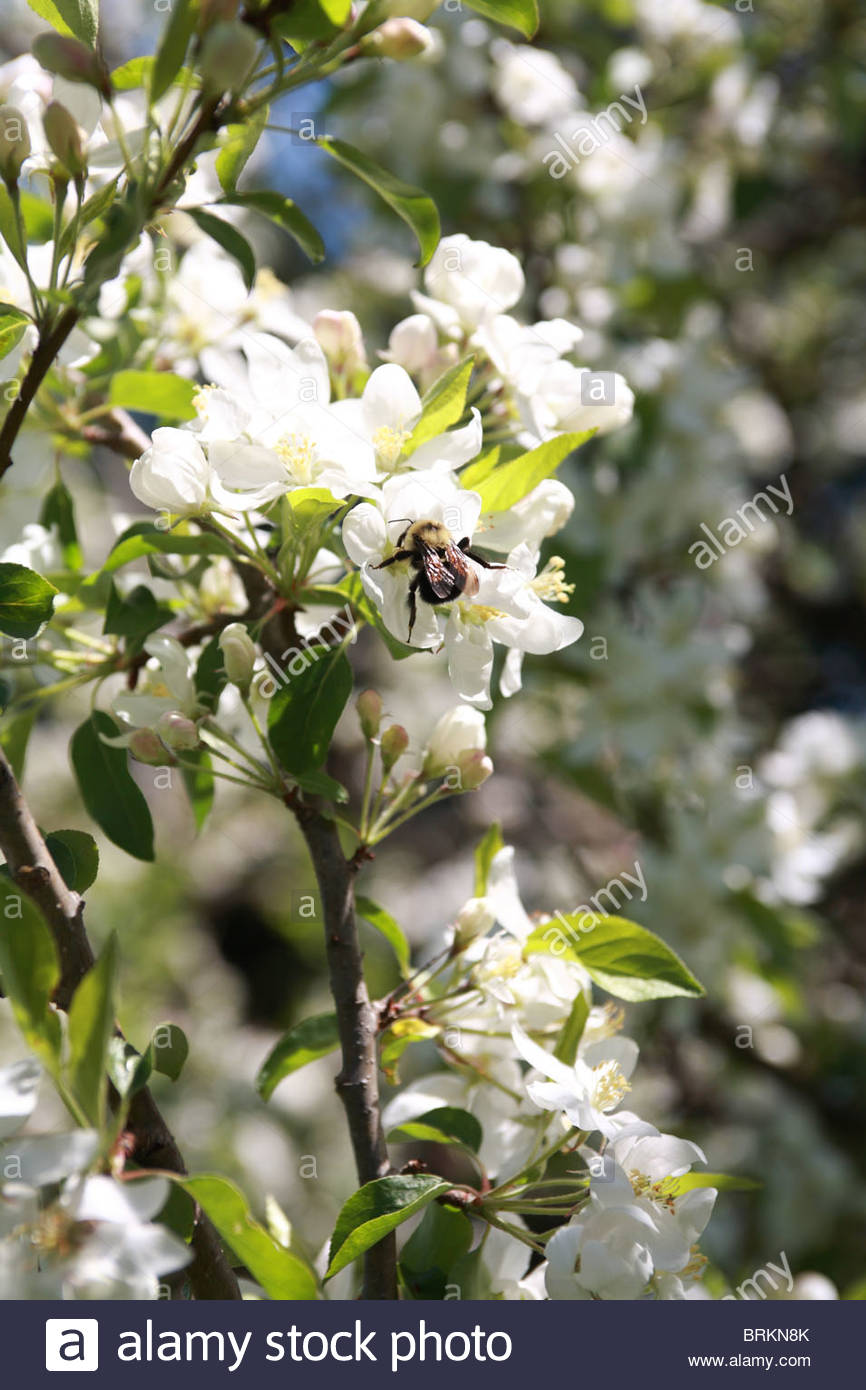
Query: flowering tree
{"type": "Point", "coordinates": [287, 498]}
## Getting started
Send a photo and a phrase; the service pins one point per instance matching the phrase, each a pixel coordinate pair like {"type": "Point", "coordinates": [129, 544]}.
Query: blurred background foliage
{"type": "Point", "coordinates": [711, 724]}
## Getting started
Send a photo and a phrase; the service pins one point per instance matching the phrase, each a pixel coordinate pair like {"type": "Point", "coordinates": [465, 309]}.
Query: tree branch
{"type": "Point", "coordinates": [118, 432]}
{"type": "Point", "coordinates": [358, 1080]}
{"type": "Point", "coordinates": [43, 357]}
{"type": "Point", "coordinates": [34, 871]}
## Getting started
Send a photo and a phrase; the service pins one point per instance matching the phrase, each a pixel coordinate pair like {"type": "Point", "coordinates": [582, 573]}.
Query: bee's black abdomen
{"type": "Point", "coordinates": [434, 596]}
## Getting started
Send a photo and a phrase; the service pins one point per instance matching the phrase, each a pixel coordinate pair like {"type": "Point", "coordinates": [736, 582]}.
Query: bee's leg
{"type": "Point", "coordinates": [465, 546]}
{"type": "Point", "coordinates": [391, 560]}
{"type": "Point", "coordinates": [413, 602]}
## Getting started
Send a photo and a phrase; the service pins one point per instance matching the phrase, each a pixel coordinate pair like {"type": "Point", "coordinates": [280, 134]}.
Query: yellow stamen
{"type": "Point", "coordinates": [610, 1085]}
{"type": "Point", "coordinates": [550, 583]}
{"type": "Point", "coordinates": [389, 444]}
{"type": "Point", "coordinates": [298, 453]}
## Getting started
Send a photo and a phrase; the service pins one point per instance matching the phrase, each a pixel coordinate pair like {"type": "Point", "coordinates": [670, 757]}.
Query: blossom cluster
{"type": "Point", "coordinates": [634, 1225]}
{"type": "Point", "coordinates": [276, 419]}
{"type": "Point", "coordinates": [68, 1230]}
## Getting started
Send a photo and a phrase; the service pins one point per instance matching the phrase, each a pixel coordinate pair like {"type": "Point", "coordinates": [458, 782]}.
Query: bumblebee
{"type": "Point", "coordinates": [442, 572]}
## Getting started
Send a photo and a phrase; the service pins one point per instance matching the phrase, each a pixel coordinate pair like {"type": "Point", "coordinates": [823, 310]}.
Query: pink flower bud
{"type": "Point", "coordinates": [145, 747]}
{"type": "Point", "coordinates": [14, 143]}
{"type": "Point", "coordinates": [177, 732]}
{"type": "Point", "coordinates": [64, 138]}
{"type": "Point", "coordinates": [369, 706]}
{"type": "Point", "coordinates": [69, 58]}
{"type": "Point", "coordinates": [474, 769]}
{"type": "Point", "coordinates": [398, 38]}
{"type": "Point", "coordinates": [394, 743]}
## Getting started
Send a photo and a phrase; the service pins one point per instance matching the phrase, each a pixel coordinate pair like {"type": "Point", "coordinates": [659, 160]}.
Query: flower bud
{"type": "Point", "coordinates": [217, 12]}
{"type": "Point", "coordinates": [475, 918]}
{"type": "Point", "coordinates": [339, 335]}
{"type": "Point", "coordinates": [64, 137]}
{"type": "Point", "coordinates": [69, 58]}
{"type": "Point", "coordinates": [146, 747]}
{"type": "Point", "coordinates": [177, 732]}
{"type": "Point", "coordinates": [474, 768]}
{"type": "Point", "coordinates": [460, 731]}
{"type": "Point", "coordinates": [227, 55]}
{"type": "Point", "coordinates": [239, 655]}
{"type": "Point", "coordinates": [398, 39]}
{"type": "Point", "coordinates": [394, 743]}
{"type": "Point", "coordinates": [369, 706]}
{"type": "Point", "coordinates": [14, 143]}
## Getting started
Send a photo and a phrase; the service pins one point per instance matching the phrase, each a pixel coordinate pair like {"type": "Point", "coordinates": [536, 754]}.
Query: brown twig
{"type": "Point", "coordinates": [118, 432]}
{"type": "Point", "coordinates": [358, 1081]}
{"type": "Point", "coordinates": [50, 343]}
{"type": "Point", "coordinates": [34, 871]}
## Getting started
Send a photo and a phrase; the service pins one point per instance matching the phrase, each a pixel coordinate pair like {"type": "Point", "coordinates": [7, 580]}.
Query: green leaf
{"type": "Point", "coordinates": [443, 404]}
{"type": "Point", "coordinates": [9, 227]}
{"type": "Point", "coordinates": [445, 1125]}
{"type": "Point", "coordinates": [520, 14]}
{"type": "Point", "coordinates": [309, 20]}
{"type": "Point", "coordinates": [303, 714]}
{"type": "Point", "coordinates": [485, 852]}
{"type": "Point", "coordinates": [725, 1182]}
{"type": "Point", "coordinates": [168, 1049]}
{"type": "Point", "coordinates": [132, 74]}
{"type": "Point", "coordinates": [30, 970]}
{"type": "Point", "coordinates": [475, 473]}
{"type": "Point", "coordinates": [392, 932]}
{"type": "Point", "coordinates": [239, 143]}
{"type": "Point", "coordinates": [210, 675]}
{"type": "Point", "coordinates": [286, 214]}
{"type": "Point", "coordinates": [315, 1037]}
{"type": "Point", "coordinates": [111, 796]}
{"type": "Point", "coordinates": [91, 1024]}
{"type": "Point", "coordinates": [410, 203]}
{"type": "Point", "coordinates": [572, 1030]}
{"type": "Point", "coordinates": [229, 238]}
{"type": "Point", "coordinates": [621, 956]}
{"type": "Point", "coordinates": [199, 783]}
{"type": "Point", "coordinates": [282, 1274]}
{"type": "Point", "coordinates": [77, 857]}
{"type": "Point", "coordinates": [511, 481]}
{"type": "Point", "coordinates": [154, 393]}
{"type": "Point", "coordinates": [172, 46]}
{"type": "Point", "coordinates": [26, 600]}
{"type": "Point", "coordinates": [38, 215]}
{"type": "Point", "coordinates": [443, 1236]}
{"type": "Point", "coordinates": [58, 512]}
{"type": "Point", "coordinates": [153, 542]}
{"type": "Point", "coordinates": [77, 17]}
{"type": "Point", "coordinates": [14, 737]}
{"type": "Point", "coordinates": [13, 326]}
{"type": "Point", "coordinates": [376, 1209]}
{"type": "Point", "coordinates": [136, 615]}
{"type": "Point", "coordinates": [318, 783]}
{"type": "Point", "coordinates": [128, 1069]}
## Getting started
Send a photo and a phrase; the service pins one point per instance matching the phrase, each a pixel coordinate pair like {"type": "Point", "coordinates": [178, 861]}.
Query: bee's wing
{"type": "Point", "coordinates": [470, 586]}
{"type": "Point", "coordinates": [443, 571]}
